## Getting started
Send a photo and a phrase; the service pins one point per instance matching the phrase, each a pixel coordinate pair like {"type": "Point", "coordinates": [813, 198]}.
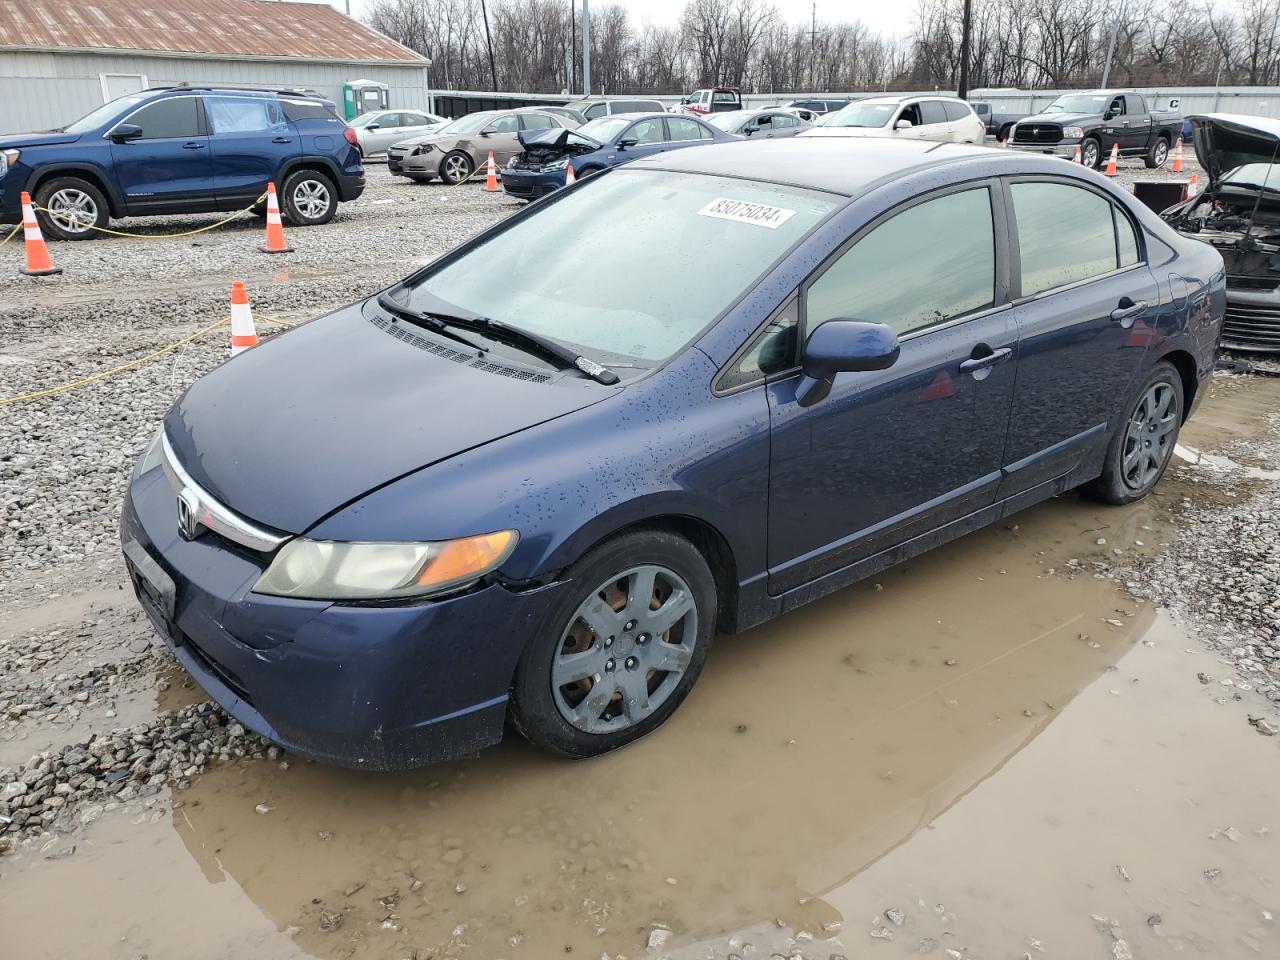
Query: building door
{"type": "Point", "coordinates": [121, 84]}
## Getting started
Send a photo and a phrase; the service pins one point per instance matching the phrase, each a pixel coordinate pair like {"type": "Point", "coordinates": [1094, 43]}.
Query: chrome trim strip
{"type": "Point", "coordinates": [211, 514]}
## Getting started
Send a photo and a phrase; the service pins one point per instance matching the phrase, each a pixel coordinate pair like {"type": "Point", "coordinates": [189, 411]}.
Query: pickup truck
{"type": "Point", "coordinates": [998, 124]}
{"type": "Point", "coordinates": [1096, 120]}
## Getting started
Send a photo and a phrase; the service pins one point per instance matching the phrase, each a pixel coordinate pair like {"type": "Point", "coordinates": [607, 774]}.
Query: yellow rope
{"type": "Point", "coordinates": [12, 233]}
{"type": "Point", "coordinates": [156, 236]}
{"type": "Point", "coordinates": [104, 374]}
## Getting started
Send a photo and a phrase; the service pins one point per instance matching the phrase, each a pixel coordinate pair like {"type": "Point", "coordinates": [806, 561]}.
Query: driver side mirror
{"type": "Point", "coordinates": [902, 125]}
{"type": "Point", "coordinates": [124, 132]}
{"type": "Point", "coordinates": [627, 142]}
{"type": "Point", "coordinates": [843, 346]}
{"type": "Point", "coordinates": [373, 126]}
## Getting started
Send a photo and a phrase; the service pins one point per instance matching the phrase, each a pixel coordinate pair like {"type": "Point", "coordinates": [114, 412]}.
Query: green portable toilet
{"type": "Point", "coordinates": [361, 96]}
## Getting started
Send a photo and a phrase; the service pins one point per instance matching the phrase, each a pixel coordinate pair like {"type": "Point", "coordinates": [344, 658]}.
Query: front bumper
{"type": "Point", "coordinates": [418, 165]}
{"type": "Point", "coordinates": [10, 199]}
{"type": "Point", "coordinates": [531, 184]}
{"type": "Point", "coordinates": [1064, 148]}
{"type": "Point", "coordinates": [371, 687]}
{"type": "Point", "coordinates": [1252, 321]}
{"type": "Point", "coordinates": [395, 159]}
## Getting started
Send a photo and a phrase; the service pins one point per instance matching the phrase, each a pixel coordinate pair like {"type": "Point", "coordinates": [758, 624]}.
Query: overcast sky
{"type": "Point", "coordinates": [887, 18]}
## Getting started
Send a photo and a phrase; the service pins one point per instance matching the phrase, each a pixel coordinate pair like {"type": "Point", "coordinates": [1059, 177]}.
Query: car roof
{"type": "Point", "coordinates": [841, 165]}
{"type": "Point", "coordinates": [643, 114]}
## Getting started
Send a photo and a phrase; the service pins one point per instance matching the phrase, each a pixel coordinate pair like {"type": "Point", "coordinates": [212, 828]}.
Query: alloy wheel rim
{"type": "Point", "coordinates": [1162, 151]}
{"type": "Point", "coordinates": [1149, 437]}
{"type": "Point", "coordinates": [1090, 155]}
{"type": "Point", "coordinates": [625, 649]}
{"type": "Point", "coordinates": [311, 197]}
{"type": "Point", "coordinates": [72, 210]}
{"type": "Point", "coordinates": [456, 169]}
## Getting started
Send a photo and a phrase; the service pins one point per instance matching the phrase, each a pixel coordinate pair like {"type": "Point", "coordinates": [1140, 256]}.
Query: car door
{"type": "Point", "coordinates": [682, 132]}
{"type": "Point", "coordinates": [889, 455]}
{"type": "Point", "coordinates": [1137, 125]}
{"type": "Point", "coordinates": [936, 126]}
{"type": "Point", "coordinates": [1114, 124]}
{"type": "Point", "coordinates": [168, 168]}
{"type": "Point", "coordinates": [911, 113]}
{"type": "Point", "coordinates": [390, 129]}
{"type": "Point", "coordinates": [784, 125]}
{"type": "Point", "coordinates": [1084, 300]}
{"type": "Point", "coordinates": [502, 136]}
{"type": "Point", "coordinates": [249, 141]}
{"type": "Point", "coordinates": [649, 135]}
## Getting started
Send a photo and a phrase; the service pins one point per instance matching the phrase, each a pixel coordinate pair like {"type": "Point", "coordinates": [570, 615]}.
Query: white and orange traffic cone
{"type": "Point", "coordinates": [39, 263]}
{"type": "Point", "coordinates": [1076, 157]}
{"type": "Point", "coordinates": [1113, 160]}
{"type": "Point", "coordinates": [243, 333]}
{"type": "Point", "coordinates": [569, 178]}
{"type": "Point", "coordinates": [275, 226]}
{"type": "Point", "coordinates": [1177, 157]}
{"type": "Point", "coordinates": [491, 175]}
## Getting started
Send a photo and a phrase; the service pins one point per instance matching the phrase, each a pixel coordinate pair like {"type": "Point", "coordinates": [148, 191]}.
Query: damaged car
{"type": "Point", "coordinates": [508, 492]}
{"type": "Point", "coordinates": [1238, 213]}
{"type": "Point", "coordinates": [542, 166]}
{"type": "Point", "coordinates": [457, 150]}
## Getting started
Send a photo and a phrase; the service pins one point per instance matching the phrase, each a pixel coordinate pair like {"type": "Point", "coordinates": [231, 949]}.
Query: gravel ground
{"type": "Point", "coordinates": [65, 459]}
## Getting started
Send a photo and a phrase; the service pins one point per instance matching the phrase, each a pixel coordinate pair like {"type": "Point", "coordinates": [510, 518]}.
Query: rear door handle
{"type": "Point", "coordinates": [976, 364]}
{"type": "Point", "coordinates": [1127, 312]}
{"type": "Point", "coordinates": [193, 146]}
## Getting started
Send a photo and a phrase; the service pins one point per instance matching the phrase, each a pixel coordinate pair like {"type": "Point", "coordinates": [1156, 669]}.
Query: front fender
{"type": "Point", "coordinates": [663, 447]}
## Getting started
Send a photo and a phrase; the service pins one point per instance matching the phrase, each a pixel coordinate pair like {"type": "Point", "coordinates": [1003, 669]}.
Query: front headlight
{"type": "Point", "coordinates": [557, 164]}
{"type": "Point", "coordinates": [153, 456]}
{"type": "Point", "coordinates": [1073, 133]}
{"type": "Point", "coordinates": [329, 570]}
{"type": "Point", "coordinates": [421, 148]}
{"type": "Point", "coordinates": [7, 159]}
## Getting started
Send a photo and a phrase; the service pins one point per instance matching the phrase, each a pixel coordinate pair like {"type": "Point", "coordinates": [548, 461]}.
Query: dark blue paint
{"type": "Point", "coordinates": [343, 431]}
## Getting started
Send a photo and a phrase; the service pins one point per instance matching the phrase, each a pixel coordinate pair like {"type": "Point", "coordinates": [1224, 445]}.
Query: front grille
{"type": "Point", "coordinates": [518, 189]}
{"type": "Point", "coordinates": [1251, 326]}
{"type": "Point", "coordinates": [1037, 133]}
{"type": "Point", "coordinates": [1252, 283]}
{"type": "Point", "coordinates": [229, 679]}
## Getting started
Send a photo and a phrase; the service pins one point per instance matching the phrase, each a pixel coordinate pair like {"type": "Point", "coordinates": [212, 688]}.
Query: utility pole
{"type": "Point", "coordinates": [813, 58]}
{"type": "Point", "coordinates": [573, 47]}
{"type": "Point", "coordinates": [966, 28]}
{"type": "Point", "coordinates": [1111, 46]}
{"type": "Point", "coordinates": [488, 42]}
{"type": "Point", "coordinates": [586, 50]}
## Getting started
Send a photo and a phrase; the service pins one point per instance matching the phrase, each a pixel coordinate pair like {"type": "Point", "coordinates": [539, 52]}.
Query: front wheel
{"type": "Point", "coordinates": [1090, 154]}
{"type": "Point", "coordinates": [310, 198]}
{"type": "Point", "coordinates": [1142, 445]}
{"type": "Point", "coordinates": [1157, 154]}
{"type": "Point", "coordinates": [456, 168]}
{"type": "Point", "coordinates": [621, 649]}
{"type": "Point", "coordinates": [71, 208]}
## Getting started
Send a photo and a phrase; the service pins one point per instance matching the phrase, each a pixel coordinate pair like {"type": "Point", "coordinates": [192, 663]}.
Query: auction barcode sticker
{"type": "Point", "coordinates": [757, 214]}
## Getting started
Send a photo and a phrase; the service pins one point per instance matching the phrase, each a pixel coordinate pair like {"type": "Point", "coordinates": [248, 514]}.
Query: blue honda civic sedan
{"type": "Point", "coordinates": [380, 536]}
{"type": "Point", "coordinates": [542, 166]}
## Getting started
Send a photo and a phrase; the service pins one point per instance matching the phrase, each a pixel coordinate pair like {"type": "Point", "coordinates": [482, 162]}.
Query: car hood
{"type": "Point", "coordinates": [50, 138]}
{"type": "Point", "coordinates": [1061, 119]}
{"type": "Point", "coordinates": [1225, 141]}
{"type": "Point", "coordinates": [557, 139]}
{"type": "Point", "coordinates": [846, 132]}
{"type": "Point", "coordinates": [309, 421]}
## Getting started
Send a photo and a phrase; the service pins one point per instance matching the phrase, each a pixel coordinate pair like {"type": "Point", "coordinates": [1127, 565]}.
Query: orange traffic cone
{"type": "Point", "coordinates": [569, 178]}
{"type": "Point", "coordinates": [1177, 157]}
{"type": "Point", "coordinates": [1076, 157]}
{"type": "Point", "coordinates": [39, 263]}
{"type": "Point", "coordinates": [275, 227]}
{"type": "Point", "coordinates": [1113, 160]}
{"type": "Point", "coordinates": [491, 175]}
{"type": "Point", "coordinates": [243, 333]}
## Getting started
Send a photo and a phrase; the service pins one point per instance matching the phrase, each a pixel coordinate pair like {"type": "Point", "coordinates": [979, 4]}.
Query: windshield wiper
{"type": "Point", "coordinates": [551, 349]}
{"type": "Point", "coordinates": [433, 322]}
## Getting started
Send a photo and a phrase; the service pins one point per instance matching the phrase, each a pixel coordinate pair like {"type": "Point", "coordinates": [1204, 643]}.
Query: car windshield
{"type": "Point", "coordinates": [862, 115]}
{"type": "Point", "coordinates": [96, 118]}
{"type": "Point", "coordinates": [471, 123]}
{"type": "Point", "coordinates": [727, 121]}
{"type": "Point", "coordinates": [1259, 176]}
{"type": "Point", "coordinates": [1079, 103]}
{"type": "Point", "coordinates": [364, 119]}
{"type": "Point", "coordinates": [692, 244]}
{"type": "Point", "coordinates": [603, 129]}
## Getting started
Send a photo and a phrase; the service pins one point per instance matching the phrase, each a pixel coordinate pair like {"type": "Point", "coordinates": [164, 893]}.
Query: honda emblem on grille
{"type": "Point", "coordinates": [189, 513]}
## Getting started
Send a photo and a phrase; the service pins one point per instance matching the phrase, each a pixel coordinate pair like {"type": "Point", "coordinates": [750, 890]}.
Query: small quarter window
{"type": "Point", "coordinates": [774, 350]}
{"type": "Point", "coordinates": [1126, 239]}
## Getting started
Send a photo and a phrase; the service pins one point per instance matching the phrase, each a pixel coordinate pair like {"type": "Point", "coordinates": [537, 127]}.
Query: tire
{"type": "Point", "coordinates": [456, 168]}
{"type": "Point", "coordinates": [589, 713]}
{"type": "Point", "coordinates": [84, 205]}
{"type": "Point", "coordinates": [1157, 154]}
{"type": "Point", "coordinates": [1091, 153]}
{"type": "Point", "coordinates": [309, 198]}
{"type": "Point", "coordinates": [1147, 434]}
{"type": "Point", "coordinates": [1004, 132]}
{"type": "Point", "coordinates": [418, 178]}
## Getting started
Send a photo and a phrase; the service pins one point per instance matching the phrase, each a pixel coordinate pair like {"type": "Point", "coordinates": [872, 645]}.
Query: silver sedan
{"type": "Point", "coordinates": [765, 124]}
{"type": "Point", "coordinates": [379, 129]}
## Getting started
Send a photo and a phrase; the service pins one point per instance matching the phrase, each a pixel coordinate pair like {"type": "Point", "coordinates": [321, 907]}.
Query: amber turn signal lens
{"type": "Point", "coordinates": [459, 560]}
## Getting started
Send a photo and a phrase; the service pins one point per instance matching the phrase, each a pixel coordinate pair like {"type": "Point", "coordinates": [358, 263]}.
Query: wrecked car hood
{"type": "Point", "coordinates": [556, 139]}
{"type": "Point", "coordinates": [1227, 141]}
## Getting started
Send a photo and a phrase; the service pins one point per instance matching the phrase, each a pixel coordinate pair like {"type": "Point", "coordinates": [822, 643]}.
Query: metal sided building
{"type": "Point", "coordinates": [59, 59]}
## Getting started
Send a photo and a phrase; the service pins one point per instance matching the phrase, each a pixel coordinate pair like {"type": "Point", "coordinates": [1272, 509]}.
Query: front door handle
{"type": "Point", "coordinates": [282, 140]}
{"type": "Point", "coordinates": [979, 365]}
{"type": "Point", "coordinates": [1127, 312]}
{"type": "Point", "coordinates": [193, 146]}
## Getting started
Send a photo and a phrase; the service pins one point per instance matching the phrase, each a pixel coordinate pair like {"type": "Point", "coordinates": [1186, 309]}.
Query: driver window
{"type": "Point", "coordinates": [774, 350]}
{"type": "Point", "coordinates": [508, 124]}
{"type": "Point", "coordinates": [911, 113]}
{"type": "Point", "coordinates": [595, 110]}
{"type": "Point", "coordinates": [1117, 107]}
{"type": "Point", "coordinates": [646, 131]}
{"type": "Point", "coordinates": [927, 265]}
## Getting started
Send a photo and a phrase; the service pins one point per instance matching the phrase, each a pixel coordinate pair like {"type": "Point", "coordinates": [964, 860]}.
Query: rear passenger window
{"type": "Point", "coordinates": [538, 121]}
{"type": "Point", "coordinates": [681, 129]}
{"type": "Point", "coordinates": [1065, 234]}
{"type": "Point", "coordinates": [931, 111]}
{"type": "Point", "coordinates": [954, 110]}
{"type": "Point", "coordinates": [595, 110]}
{"type": "Point", "coordinates": [243, 114]}
{"type": "Point", "coordinates": [929, 264]}
{"type": "Point", "coordinates": [170, 118]}
{"type": "Point", "coordinates": [1126, 239]}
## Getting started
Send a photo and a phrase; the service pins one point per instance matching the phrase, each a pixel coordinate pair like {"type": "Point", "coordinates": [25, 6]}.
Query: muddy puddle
{"type": "Point", "coordinates": [990, 750]}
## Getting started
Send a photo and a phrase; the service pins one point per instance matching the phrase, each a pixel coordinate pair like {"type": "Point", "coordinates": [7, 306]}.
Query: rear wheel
{"type": "Point", "coordinates": [456, 168]}
{"type": "Point", "coordinates": [1142, 445]}
{"type": "Point", "coordinates": [72, 208]}
{"type": "Point", "coordinates": [310, 198]}
{"type": "Point", "coordinates": [621, 650]}
{"type": "Point", "coordinates": [1157, 154]}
